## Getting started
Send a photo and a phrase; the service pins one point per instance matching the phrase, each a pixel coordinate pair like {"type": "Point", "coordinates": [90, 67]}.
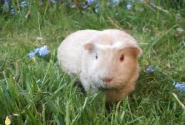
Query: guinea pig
{"type": "Point", "coordinates": [104, 60]}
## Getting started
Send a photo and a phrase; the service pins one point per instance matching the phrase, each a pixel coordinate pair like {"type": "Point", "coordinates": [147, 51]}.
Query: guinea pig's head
{"type": "Point", "coordinates": [112, 66]}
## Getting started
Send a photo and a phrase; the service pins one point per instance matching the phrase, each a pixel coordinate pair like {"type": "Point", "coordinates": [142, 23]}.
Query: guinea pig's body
{"type": "Point", "coordinates": [105, 60]}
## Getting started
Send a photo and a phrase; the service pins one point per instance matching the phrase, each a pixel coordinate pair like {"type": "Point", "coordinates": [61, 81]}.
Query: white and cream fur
{"type": "Point", "coordinates": [96, 57]}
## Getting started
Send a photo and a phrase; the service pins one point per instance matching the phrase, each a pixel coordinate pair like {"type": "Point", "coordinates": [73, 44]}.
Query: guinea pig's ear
{"type": "Point", "coordinates": [137, 51]}
{"type": "Point", "coordinates": [88, 46]}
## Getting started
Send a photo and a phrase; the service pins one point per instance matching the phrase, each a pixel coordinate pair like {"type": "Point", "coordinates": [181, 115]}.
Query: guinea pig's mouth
{"type": "Point", "coordinates": [102, 85]}
{"type": "Point", "coordinates": [103, 88]}
{"type": "Point", "coordinates": [109, 86]}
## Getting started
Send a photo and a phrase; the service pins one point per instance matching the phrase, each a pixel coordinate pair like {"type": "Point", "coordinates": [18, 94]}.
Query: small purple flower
{"type": "Point", "coordinates": [89, 2]}
{"type": "Point", "coordinates": [97, 10]}
{"type": "Point", "coordinates": [115, 2]}
{"type": "Point", "coordinates": [43, 51]}
{"type": "Point", "coordinates": [37, 50]}
{"type": "Point", "coordinates": [150, 69]}
{"type": "Point", "coordinates": [31, 54]}
{"type": "Point", "coordinates": [129, 6]}
{"type": "Point", "coordinates": [85, 7]}
{"type": "Point", "coordinates": [23, 3]}
{"type": "Point", "coordinates": [12, 10]}
{"type": "Point", "coordinates": [53, 1]}
{"type": "Point", "coordinates": [180, 86]}
{"type": "Point", "coordinates": [6, 1]}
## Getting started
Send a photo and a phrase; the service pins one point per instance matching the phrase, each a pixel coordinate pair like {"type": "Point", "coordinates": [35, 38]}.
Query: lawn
{"type": "Point", "coordinates": [41, 93]}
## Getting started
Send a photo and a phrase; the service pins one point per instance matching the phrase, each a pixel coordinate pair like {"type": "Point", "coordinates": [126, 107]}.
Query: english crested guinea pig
{"type": "Point", "coordinates": [104, 60]}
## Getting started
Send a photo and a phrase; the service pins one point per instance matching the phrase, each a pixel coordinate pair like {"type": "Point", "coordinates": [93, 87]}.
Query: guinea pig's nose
{"type": "Point", "coordinates": [107, 79]}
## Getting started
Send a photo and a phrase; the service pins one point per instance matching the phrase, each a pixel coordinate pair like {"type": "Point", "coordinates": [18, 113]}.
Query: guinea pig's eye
{"type": "Point", "coordinates": [96, 56]}
{"type": "Point", "coordinates": [122, 58]}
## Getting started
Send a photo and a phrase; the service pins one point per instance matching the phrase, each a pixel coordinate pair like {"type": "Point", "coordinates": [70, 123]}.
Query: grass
{"type": "Point", "coordinates": [41, 93]}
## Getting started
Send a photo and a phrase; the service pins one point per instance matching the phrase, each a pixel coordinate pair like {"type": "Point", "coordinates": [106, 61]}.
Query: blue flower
{"type": "Point", "coordinates": [23, 3]}
{"type": "Point", "coordinates": [97, 9]}
{"type": "Point", "coordinates": [115, 2]}
{"type": "Point", "coordinates": [7, 1]}
{"type": "Point", "coordinates": [53, 1]}
{"type": "Point", "coordinates": [85, 7]}
{"type": "Point", "coordinates": [31, 54]}
{"type": "Point", "coordinates": [37, 50]}
{"type": "Point", "coordinates": [43, 51]}
{"type": "Point", "coordinates": [179, 85]}
{"type": "Point", "coordinates": [89, 2]}
{"type": "Point", "coordinates": [150, 69]}
{"type": "Point", "coordinates": [129, 6]}
{"type": "Point", "coordinates": [12, 10]}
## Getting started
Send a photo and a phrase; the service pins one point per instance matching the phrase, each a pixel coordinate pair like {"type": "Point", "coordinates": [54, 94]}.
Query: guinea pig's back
{"type": "Point", "coordinates": [121, 36]}
{"type": "Point", "coordinates": [71, 50]}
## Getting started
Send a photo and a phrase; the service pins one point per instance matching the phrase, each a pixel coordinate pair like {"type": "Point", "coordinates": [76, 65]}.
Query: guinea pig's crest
{"type": "Point", "coordinates": [133, 48]}
{"type": "Point", "coordinates": [91, 46]}
{"type": "Point", "coordinates": [118, 45]}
